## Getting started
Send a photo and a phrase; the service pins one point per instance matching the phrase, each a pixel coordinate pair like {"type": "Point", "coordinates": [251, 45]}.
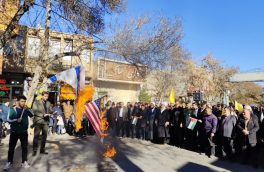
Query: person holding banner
{"type": "Point", "coordinates": [42, 110]}
{"type": "Point", "coordinates": [18, 118]}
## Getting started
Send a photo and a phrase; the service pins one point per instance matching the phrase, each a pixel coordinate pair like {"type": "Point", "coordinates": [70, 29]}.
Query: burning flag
{"type": "Point", "coordinates": [93, 113]}
{"type": "Point", "coordinates": [110, 152]}
{"type": "Point", "coordinates": [97, 116]}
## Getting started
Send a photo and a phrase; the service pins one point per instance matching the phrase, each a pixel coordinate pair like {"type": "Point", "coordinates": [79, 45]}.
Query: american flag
{"type": "Point", "coordinates": [92, 110]}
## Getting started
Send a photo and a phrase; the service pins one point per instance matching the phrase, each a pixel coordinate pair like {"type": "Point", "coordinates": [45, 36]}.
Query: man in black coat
{"type": "Point", "coordinates": [152, 115]}
{"type": "Point", "coordinates": [176, 121]}
{"type": "Point", "coordinates": [112, 114]}
{"type": "Point", "coordinates": [144, 122]}
{"type": "Point", "coordinates": [163, 123]}
{"type": "Point", "coordinates": [135, 120]}
{"type": "Point", "coordinates": [248, 126]}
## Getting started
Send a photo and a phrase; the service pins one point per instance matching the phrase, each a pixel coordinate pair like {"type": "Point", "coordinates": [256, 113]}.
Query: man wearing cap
{"type": "Point", "coordinates": [209, 123]}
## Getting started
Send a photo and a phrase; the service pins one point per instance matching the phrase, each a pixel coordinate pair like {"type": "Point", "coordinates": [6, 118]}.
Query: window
{"type": "Point", "coordinates": [33, 47]}
{"type": "Point", "coordinates": [85, 56]}
{"type": "Point", "coordinates": [68, 47]}
{"type": "Point", "coordinates": [54, 47]}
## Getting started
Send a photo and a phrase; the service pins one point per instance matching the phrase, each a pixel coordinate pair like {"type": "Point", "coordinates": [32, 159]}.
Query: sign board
{"type": "Point", "coordinates": [4, 92]}
{"type": "Point", "coordinates": [120, 71]}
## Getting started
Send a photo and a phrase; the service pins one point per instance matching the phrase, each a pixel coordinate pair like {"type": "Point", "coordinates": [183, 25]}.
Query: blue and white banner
{"type": "Point", "coordinates": [74, 77]}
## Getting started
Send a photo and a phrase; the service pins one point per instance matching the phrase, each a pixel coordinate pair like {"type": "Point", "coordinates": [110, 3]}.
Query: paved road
{"type": "Point", "coordinates": [70, 154]}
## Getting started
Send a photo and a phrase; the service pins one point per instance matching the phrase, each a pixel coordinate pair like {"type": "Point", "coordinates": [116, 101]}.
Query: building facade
{"type": "Point", "coordinates": [120, 81]}
{"type": "Point", "coordinates": [19, 62]}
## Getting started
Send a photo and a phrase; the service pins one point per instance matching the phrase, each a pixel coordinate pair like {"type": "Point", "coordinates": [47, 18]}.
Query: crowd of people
{"type": "Point", "coordinates": [214, 130]}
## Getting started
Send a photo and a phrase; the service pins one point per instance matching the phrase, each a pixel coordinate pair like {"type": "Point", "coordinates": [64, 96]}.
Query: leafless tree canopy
{"type": "Point", "coordinates": [143, 41]}
{"type": "Point", "coordinates": [86, 15]}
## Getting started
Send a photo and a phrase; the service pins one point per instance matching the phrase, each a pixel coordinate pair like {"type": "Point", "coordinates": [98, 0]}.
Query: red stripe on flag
{"type": "Point", "coordinates": [92, 114]}
{"type": "Point", "coordinates": [98, 132]}
{"type": "Point", "coordinates": [97, 110]}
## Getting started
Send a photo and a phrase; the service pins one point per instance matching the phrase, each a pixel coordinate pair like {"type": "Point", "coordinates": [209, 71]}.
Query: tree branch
{"type": "Point", "coordinates": [14, 22]}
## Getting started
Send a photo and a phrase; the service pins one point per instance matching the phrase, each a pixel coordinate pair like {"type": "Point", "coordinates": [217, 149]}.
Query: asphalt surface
{"type": "Point", "coordinates": [71, 154]}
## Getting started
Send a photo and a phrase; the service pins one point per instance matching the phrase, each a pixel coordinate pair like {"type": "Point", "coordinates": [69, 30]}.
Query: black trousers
{"type": "Point", "coordinates": [43, 129]}
{"type": "Point", "coordinates": [208, 144]}
{"type": "Point", "coordinates": [127, 128]}
{"type": "Point", "coordinates": [23, 137]}
{"type": "Point", "coordinates": [226, 146]}
{"type": "Point", "coordinates": [120, 127]}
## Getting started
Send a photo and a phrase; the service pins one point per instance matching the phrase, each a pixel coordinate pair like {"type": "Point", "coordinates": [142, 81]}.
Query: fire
{"type": "Point", "coordinates": [103, 112]}
{"type": "Point", "coordinates": [110, 152]}
{"type": "Point", "coordinates": [104, 124]}
{"type": "Point", "coordinates": [104, 135]}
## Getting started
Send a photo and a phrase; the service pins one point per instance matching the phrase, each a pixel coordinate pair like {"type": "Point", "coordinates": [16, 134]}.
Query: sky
{"type": "Point", "coordinates": [232, 30]}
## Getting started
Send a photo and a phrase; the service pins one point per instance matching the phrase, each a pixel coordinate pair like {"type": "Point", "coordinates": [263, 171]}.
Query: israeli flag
{"type": "Point", "coordinates": [74, 77]}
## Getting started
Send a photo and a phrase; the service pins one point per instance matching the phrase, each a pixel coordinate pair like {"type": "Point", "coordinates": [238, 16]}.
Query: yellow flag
{"type": "Point", "coordinates": [172, 97]}
{"type": "Point", "coordinates": [238, 106]}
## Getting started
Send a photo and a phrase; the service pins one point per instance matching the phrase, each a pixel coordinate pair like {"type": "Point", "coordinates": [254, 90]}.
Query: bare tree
{"type": "Point", "coordinates": [84, 16]}
{"type": "Point", "coordinates": [146, 41]}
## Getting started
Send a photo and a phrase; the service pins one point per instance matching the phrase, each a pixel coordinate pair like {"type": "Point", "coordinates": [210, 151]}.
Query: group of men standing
{"type": "Point", "coordinates": [217, 130]}
{"type": "Point", "coordinates": [18, 119]}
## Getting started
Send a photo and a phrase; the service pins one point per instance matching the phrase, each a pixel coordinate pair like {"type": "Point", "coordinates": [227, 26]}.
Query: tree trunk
{"type": "Point", "coordinates": [41, 68]}
{"type": "Point", "coordinates": [34, 85]}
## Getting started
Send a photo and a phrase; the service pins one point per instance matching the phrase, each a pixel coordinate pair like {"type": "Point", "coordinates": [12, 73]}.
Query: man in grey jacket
{"type": "Point", "coordinates": [227, 123]}
{"type": "Point", "coordinates": [42, 110]}
{"type": "Point", "coordinates": [248, 126]}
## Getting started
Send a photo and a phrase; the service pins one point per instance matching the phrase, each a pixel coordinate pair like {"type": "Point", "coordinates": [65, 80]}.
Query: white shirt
{"type": "Point", "coordinates": [121, 112]}
{"type": "Point", "coordinates": [60, 120]}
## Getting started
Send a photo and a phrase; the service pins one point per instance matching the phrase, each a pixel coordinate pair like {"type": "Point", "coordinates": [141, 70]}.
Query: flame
{"type": "Point", "coordinates": [84, 96]}
{"type": "Point", "coordinates": [104, 124]}
{"type": "Point", "coordinates": [110, 152]}
{"type": "Point", "coordinates": [104, 135]}
{"type": "Point", "coordinates": [103, 113]}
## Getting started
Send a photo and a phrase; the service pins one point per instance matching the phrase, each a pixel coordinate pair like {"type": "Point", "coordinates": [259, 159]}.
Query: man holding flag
{"type": "Point", "coordinates": [18, 118]}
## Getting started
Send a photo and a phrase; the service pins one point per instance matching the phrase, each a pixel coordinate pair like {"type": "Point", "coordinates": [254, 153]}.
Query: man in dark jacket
{"type": "Point", "coordinates": [144, 122]}
{"type": "Point", "coordinates": [226, 128]}
{"type": "Point", "coordinates": [122, 114]}
{"type": "Point", "coordinates": [163, 122]}
{"type": "Point", "coordinates": [112, 118]}
{"type": "Point", "coordinates": [152, 113]}
{"type": "Point", "coordinates": [42, 110]}
{"type": "Point", "coordinates": [248, 126]}
{"type": "Point", "coordinates": [176, 121]}
{"type": "Point", "coordinates": [209, 123]}
{"type": "Point", "coordinates": [135, 120]}
{"type": "Point", "coordinates": [187, 111]}
{"type": "Point", "coordinates": [18, 118]}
